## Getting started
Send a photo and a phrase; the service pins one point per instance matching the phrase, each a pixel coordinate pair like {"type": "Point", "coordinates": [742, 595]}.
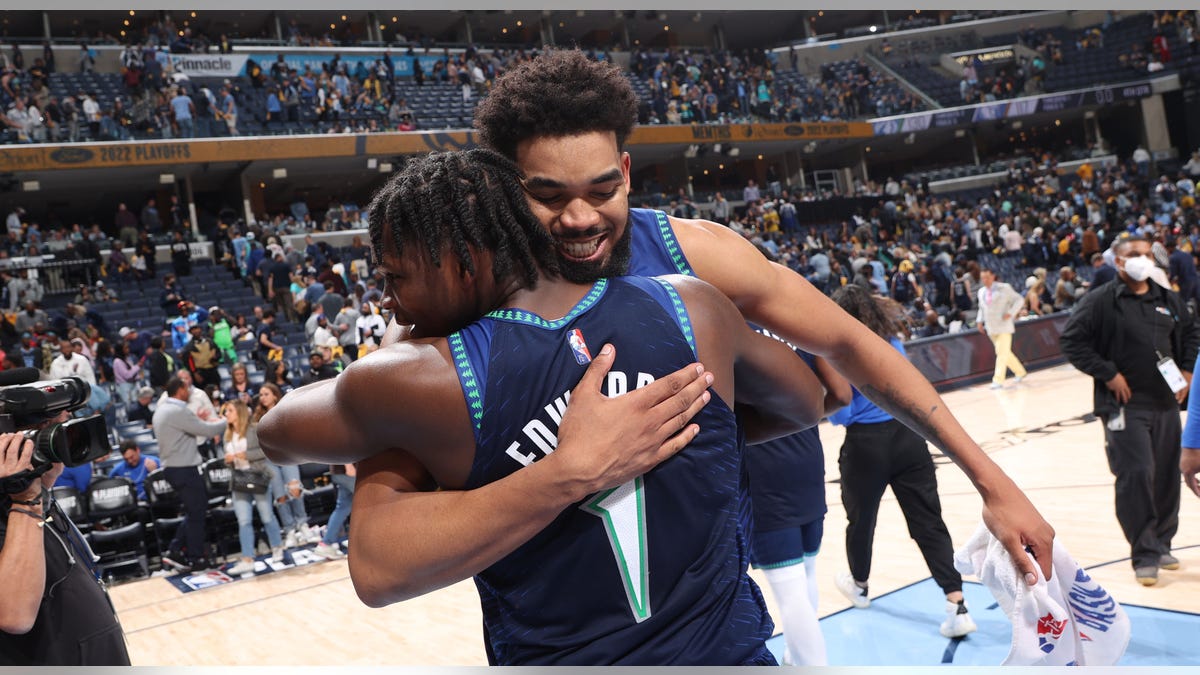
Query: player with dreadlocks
{"type": "Point", "coordinates": [616, 546]}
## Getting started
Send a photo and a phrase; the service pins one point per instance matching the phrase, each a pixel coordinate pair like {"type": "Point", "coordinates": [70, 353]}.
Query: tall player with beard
{"type": "Point", "coordinates": [564, 119]}
{"type": "Point", "coordinates": [585, 548]}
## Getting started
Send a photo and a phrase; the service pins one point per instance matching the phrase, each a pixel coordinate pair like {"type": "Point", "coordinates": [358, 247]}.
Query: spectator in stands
{"type": "Point", "coordinates": [345, 326]}
{"type": "Point", "coordinates": [181, 255]}
{"type": "Point", "coordinates": [242, 452]}
{"type": "Point", "coordinates": [1067, 290]}
{"type": "Point", "coordinates": [343, 478]}
{"type": "Point", "coordinates": [142, 409]}
{"type": "Point", "coordinates": [286, 488]}
{"type": "Point", "coordinates": [135, 466]}
{"type": "Point", "coordinates": [370, 328]}
{"type": "Point", "coordinates": [318, 369]}
{"type": "Point", "coordinates": [71, 364]}
{"type": "Point", "coordinates": [278, 278]}
{"type": "Point", "coordinates": [127, 371]}
{"type": "Point", "coordinates": [227, 108]}
{"type": "Point", "coordinates": [268, 348]}
{"type": "Point", "coordinates": [240, 387]}
{"type": "Point", "coordinates": [161, 363]}
{"type": "Point", "coordinates": [1034, 289]}
{"type": "Point", "coordinates": [201, 357]}
{"type": "Point", "coordinates": [183, 111]}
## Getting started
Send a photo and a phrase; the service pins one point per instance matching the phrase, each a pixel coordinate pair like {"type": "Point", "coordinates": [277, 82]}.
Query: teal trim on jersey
{"type": "Point", "coordinates": [786, 563]}
{"type": "Point", "coordinates": [466, 377]}
{"type": "Point", "coordinates": [681, 313]}
{"type": "Point", "coordinates": [529, 318]}
{"type": "Point", "coordinates": [673, 249]}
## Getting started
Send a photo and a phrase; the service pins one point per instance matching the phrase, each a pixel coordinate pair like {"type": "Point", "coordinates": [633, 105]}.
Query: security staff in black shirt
{"type": "Point", "coordinates": [1139, 342]}
{"type": "Point", "coordinates": [53, 609]}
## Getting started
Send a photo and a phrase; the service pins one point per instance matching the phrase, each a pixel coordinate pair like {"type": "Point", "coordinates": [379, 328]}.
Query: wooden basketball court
{"type": "Point", "coordinates": [311, 616]}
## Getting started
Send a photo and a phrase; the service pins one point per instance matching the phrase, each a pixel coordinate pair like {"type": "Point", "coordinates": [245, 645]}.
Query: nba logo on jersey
{"type": "Point", "coordinates": [582, 355]}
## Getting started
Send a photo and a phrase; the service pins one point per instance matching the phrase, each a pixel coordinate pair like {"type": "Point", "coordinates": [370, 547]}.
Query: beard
{"type": "Point", "coordinates": [617, 263]}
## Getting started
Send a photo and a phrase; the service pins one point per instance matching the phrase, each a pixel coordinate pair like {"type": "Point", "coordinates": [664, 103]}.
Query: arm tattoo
{"type": "Point", "coordinates": [908, 412]}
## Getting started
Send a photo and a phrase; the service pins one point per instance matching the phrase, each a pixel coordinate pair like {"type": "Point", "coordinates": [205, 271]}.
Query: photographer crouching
{"type": "Point", "coordinates": [54, 610]}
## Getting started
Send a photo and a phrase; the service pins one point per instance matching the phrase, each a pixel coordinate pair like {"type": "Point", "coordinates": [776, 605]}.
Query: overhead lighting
{"type": "Point", "coordinates": [666, 28]}
{"type": "Point", "coordinates": [132, 13]}
{"type": "Point", "coordinates": [873, 28]}
{"type": "Point", "coordinates": [519, 24]}
{"type": "Point", "coordinates": [193, 15]}
{"type": "Point", "coordinates": [262, 185]}
{"type": "Point", "coordinates": [394, 19]}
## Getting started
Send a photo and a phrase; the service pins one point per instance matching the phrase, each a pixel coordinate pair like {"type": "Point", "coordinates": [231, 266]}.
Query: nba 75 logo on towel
{"type": "Point", "coordinates": [579, 347]}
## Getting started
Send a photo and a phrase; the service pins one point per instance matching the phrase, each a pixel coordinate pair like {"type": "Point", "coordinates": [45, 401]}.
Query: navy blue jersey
{"type": "Point", "coordinates": [652, 572]}
{"type": "Point", "coordinates": [786, 477]}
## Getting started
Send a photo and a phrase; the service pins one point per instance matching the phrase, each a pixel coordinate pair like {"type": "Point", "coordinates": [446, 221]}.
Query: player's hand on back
{"type": "Point", "coordinates": [604, 442]}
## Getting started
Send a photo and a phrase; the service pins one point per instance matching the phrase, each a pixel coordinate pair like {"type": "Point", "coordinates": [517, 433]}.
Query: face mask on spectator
{"type": "Point", "coordinates": [1138, 268]}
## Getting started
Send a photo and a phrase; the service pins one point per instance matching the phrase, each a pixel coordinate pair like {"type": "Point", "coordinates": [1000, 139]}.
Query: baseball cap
{"type": "Point", "coordinates": [316, 352]}
{"type": "Point", "coordinates": [125, 330]}
{"type": "Point", "coordinates": [145, 392]}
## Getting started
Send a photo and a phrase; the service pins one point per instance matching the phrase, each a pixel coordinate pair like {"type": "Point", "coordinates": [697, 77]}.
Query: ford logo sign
{"type": "Point", "coordinates": [72, 155]}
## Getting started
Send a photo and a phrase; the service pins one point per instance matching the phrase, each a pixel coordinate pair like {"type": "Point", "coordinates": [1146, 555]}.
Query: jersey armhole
{"type": "Point", "coordinates": [667, 234]}
{"type": "Point", "coordinates": [467, 348]}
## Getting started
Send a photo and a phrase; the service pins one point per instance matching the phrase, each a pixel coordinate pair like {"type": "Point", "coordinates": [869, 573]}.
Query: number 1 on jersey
{"type": "Point", "coordinates": [623, 512]}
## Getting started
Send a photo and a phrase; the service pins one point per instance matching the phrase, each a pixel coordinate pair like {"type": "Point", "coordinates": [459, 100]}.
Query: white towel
{"type": "Point", "coordinates": [1066, 621]}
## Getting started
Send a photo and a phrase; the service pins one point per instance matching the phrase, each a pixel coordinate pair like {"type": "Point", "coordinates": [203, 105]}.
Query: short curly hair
{"type": "Point", "coordinates": [560, 92]}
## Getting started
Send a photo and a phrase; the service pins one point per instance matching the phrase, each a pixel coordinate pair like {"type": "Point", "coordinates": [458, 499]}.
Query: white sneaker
{"type": "Point", "coordinates": [277, 554]}
{"type": "Point", "coordinates": [328, 551]}
{"type": "Point", "coordinates": [958, 622]}
{"type": "Point", "coordinates": [242, 567]}
{"type": "Point", "coordinates": [1018, 379]}
{"type": "Point", "coordinates": [853, 592]}
{"type": "Point", "coordinates": [291, 540]}
{"type": "Point", "coordinates": [996, 385]}
{"type": "Point", "coordinates": [311, 534]}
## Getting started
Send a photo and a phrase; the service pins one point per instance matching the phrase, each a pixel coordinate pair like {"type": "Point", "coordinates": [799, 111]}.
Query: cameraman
{"type": "Point", "coordinates": [54, 611]}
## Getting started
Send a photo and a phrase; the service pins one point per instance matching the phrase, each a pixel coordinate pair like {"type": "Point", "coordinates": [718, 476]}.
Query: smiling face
{"type": "Point", "coordinates": [578, 187]}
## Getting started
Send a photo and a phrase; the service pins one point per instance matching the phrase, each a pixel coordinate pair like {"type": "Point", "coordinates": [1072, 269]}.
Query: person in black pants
{"type": "Point", "coordinates": [1121, 334]}
{"type": "Point", "coordinates": [880, 451]}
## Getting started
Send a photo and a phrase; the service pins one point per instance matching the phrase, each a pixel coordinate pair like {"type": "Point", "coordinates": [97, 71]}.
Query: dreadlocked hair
{"type": "Point", "coordinates": [460, 200]}
{"type": "Point", "coordinates": [882, 315]}
{"type": "Point", "coordinates": [561, 92]}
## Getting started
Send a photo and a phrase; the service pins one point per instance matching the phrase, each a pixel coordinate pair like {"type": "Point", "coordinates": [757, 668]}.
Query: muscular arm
{"type": "Point", "coordinates": [450, 534]}
{"type": "Point", "coordinates": [783, 301]}
{"type": "Point", "coordinates": [776, 393]}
